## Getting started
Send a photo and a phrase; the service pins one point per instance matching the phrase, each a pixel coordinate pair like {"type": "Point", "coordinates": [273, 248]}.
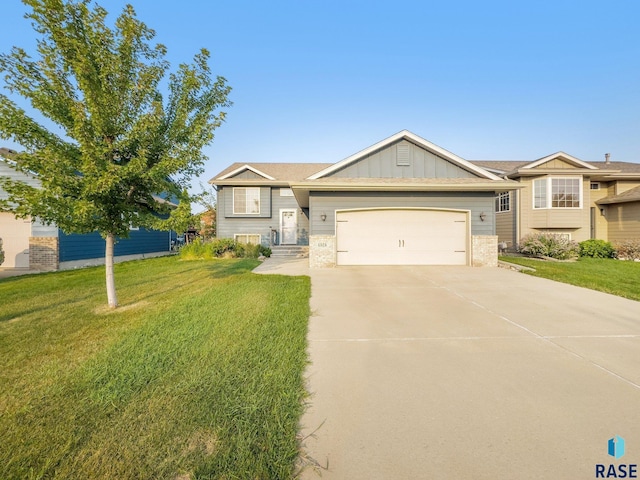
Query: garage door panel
{"type": "Point", "coordinates": [401, 237]}
{"type": "Point", "coordinates": [15, 239]}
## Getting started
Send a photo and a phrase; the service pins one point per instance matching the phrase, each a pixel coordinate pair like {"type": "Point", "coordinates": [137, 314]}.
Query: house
{"type": "Point", "coordinates": [403, 200]}
{"type": "Point", "coordinates": [28, 244]}
{"type": "Point", "coordinates": [565, 195]}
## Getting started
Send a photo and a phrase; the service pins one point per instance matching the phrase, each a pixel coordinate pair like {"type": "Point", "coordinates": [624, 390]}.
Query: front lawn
{"type": "Point", "coordinates": [198, 374]}
{"type": "Point", "coordinates": [617, 277]}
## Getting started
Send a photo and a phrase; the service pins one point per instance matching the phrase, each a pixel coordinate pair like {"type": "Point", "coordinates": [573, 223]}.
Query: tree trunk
{"type": "Point", "coordinates": [108, 262]}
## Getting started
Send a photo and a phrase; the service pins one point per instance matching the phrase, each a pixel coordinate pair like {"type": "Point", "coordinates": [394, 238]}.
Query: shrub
{"type": "Point", "coordinates": [551, 245]}
{"type": "Point", "coordinates": [628, 250]}
{"type": "Point", "coordinates": [596, 249]}
{"type": "Point", "coordinates": [1, 253]}
{"type": "Point", "coordinates": [222, 247]}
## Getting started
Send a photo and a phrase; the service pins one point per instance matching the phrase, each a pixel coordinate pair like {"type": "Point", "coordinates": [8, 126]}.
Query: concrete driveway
{"type": "Point", "coordinates": [459, 372]}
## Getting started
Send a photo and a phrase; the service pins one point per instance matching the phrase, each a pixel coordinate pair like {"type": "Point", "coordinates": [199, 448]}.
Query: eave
{"type": "Point", "coordinates": [526, 172]}
{"type": "Point", "coordinates": [301, 190]}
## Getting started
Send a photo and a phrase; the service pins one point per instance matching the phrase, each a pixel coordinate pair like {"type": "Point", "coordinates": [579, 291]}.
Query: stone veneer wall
{"type": "Point", "coordinates": [322, 251]}
{"type": "Point", "coordinates": [43, 253]}
{"type": "Point", "coordinates": [484, 250]}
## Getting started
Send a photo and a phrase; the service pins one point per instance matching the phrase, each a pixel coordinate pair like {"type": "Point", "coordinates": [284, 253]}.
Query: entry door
{"type": "Point", "coordinates": [288, 227]}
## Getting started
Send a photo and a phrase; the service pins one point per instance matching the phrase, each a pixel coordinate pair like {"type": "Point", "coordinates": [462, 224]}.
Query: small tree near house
{"type": "Point", "coordinates": [120, 142]}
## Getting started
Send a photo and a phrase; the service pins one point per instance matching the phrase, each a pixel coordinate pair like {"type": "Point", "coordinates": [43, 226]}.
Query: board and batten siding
{"type": "Point", "coordinates": [228, 226]}
{"type": "Point", "coordinates": [420, 164]}
{"type": "Point", "coordinates": [328, 202]}
{"type": "Point", "coordinates": [91, 245]}
{"type": "Point", "coordinates": [624, 221]}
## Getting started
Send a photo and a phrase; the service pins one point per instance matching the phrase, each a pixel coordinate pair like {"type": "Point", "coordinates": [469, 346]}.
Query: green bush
{"type": "Point", "coordinates": [551, 245]}
{"type": "Point", "coordinates": [628, 250]}
{"type": "Point", "coordinates": [596, 249]}
{"type": "Point", "coordinates": [222, 247]}
{"type": "Point", "coordinates": [1, 253]}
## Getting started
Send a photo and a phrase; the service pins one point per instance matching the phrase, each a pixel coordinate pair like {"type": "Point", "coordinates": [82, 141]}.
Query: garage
{"type": "Point", "coordinates": [15, 235]}
{"type": "Point", "coordinates": [402, 237]}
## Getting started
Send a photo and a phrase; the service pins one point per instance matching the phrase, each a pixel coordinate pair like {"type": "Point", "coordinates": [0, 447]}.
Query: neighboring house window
{"type": "Point", "coordinates": [503, 202]}
{"type": "Point", "coordinates": [286, 192]}
{"type": "Point", "coordinates": [595, 186]}
{"type": "Point", "coordinates": [246, 200]}
{"type": "Point", "coordinates": [557, 193]}
{"type": "Point", "coordinates": [247, 238]}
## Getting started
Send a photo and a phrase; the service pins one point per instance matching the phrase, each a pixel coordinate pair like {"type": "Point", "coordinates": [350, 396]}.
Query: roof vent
{"type": "Point", "coordinates": [607, 157]}
{"type": "Point", "coordinates": [403, 154]}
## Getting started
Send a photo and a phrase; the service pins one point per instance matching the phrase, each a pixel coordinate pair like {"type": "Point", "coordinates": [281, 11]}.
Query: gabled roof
{"type": "Point", "coordinates": [419, 141]}
{"type": "Point", "coordinates": [623, 167]}
{"type": "Point", "coordinates": [244, 168]}
{"type": "Point", "coordinates": [632, 195]}
{"type": "Point", "coordinates": [560, 155]}
{"type": "Point", "coordinates": [500, 166]}
{"type": "Point", "coordinates": [283, 172]}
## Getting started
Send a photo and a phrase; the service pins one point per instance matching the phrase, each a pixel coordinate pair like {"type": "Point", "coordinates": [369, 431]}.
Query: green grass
{"type": "Point", "coordinates": [617, 277]}
{"type": "Point", "coordinates": [198, 374]}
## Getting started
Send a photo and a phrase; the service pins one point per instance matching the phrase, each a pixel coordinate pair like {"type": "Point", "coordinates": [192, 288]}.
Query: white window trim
{"type": "Point", "coordinates": [498, 196]}
{"type": "Point", "coordinates": [233, 195]}
{"type": "Point", "coordinates": [549, 193]}
{"type": "Point", "coordinates": [236, 235]}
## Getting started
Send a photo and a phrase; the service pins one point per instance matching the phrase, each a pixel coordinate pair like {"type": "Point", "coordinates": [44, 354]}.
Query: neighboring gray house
{"type": "Point", "coordinates": [403, 200]}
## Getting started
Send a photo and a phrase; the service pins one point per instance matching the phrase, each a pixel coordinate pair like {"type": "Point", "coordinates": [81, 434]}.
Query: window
{"type": "Point", "coordinates": [503, 202]}
{"type": "Point", "coordinates": [247, 238]}
{"type": "Point", "coordinates": [246, 200]}
{"type": "Point", "coordinates": [540, 193]}
{"type": "Point", "coordinates": [595, 186]}
{"type": "Point", "coordinates": [557, 193]}
{"type": "Point", "coordinates": [286, 192]}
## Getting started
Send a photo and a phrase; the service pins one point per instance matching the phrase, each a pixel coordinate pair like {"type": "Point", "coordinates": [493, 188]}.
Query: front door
{"type": "Point", "coordinates": [288, 227]}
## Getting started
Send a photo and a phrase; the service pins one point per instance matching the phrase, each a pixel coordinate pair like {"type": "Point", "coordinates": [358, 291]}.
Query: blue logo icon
{"type": "Point", "coordinates": [616, 447]}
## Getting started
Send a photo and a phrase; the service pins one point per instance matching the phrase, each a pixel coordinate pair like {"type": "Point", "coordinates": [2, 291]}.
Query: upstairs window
{"type": "Point", "coordinates": [557, 193]}
{"type": "Point", "coordinates": [246, 200]}
{"type": "Point", "coordinates": [503, 202]}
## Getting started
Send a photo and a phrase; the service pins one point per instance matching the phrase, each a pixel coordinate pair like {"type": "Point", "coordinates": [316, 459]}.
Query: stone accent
{"type": "Point", "coordinates": [484, 250]}
{"type": "Point", "coordinates": [322, 251]}
{"type": "Point", "coordinates": [43, 253]}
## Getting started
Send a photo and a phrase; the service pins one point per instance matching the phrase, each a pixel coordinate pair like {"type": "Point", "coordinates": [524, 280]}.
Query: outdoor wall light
{"type": "Point", "coordinates": [323, 216]}
{"type": "Point", "coordinates": [483, 216]}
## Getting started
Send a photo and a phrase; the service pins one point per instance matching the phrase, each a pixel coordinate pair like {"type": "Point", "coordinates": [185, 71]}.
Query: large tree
{"type": "Point", "coordinates": [114, 145]}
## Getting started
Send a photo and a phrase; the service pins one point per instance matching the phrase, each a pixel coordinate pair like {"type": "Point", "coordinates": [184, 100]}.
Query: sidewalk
{"type": "Point", "coordinates": [283, 266]}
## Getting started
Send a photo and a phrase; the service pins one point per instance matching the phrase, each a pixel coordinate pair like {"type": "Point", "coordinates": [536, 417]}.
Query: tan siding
{"type": "Point", "coordinates": [569, 220]}
{"type": "Point", "coordinates": [624, 221]}
{"type": "Point", "coordinates": [621, 187]}
{"type": "Point", "coordinates": [556, 163]}
{"type": "Point", "coordinates": [601, 220]}
{"type": "Point", "coordinates": [505, 227]}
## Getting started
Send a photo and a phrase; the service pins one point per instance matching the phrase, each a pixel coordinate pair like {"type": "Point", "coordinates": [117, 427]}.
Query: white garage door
{"type": "Point", "coordinates": [401, 237]}
{"type": "Point", "coordinates": [15, 241]}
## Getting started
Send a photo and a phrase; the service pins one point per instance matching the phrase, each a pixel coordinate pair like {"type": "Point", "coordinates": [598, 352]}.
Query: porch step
{"type": "Point", "coordinates": [299, 251]}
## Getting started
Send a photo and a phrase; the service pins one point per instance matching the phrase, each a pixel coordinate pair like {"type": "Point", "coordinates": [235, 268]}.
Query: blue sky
{"type": "Point", "coordinates": [316, 81]}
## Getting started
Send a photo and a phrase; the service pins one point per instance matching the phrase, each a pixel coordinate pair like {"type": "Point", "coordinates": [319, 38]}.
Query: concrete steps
{"type": "Point", "coordinates": [297, 251]}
